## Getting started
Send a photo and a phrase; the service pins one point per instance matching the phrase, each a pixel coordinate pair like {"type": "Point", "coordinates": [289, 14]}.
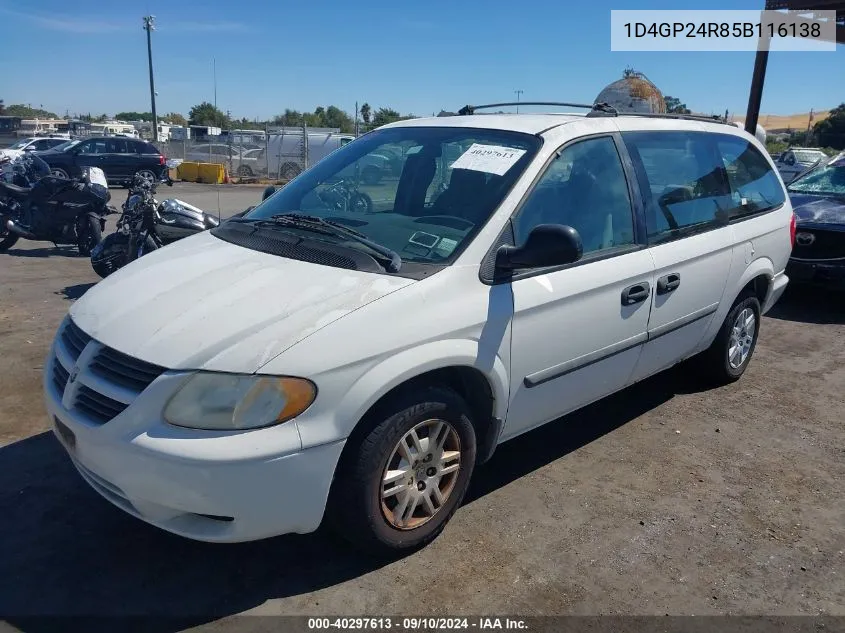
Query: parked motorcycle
{"type": "Point", "coordinates": [146, 225]}
{"type": "Point", "coordinates": [342, 195]}
{"type": "Point", "coordinates": [38, 206]}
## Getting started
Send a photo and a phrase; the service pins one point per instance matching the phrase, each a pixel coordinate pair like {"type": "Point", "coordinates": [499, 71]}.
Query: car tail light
{"type": "Point", "coordinates": [162, 160]}
{"type": "Point", "coordinates": [793, 228]}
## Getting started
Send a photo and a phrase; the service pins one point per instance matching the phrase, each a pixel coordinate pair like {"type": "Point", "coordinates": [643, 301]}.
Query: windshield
{"type": "Point", "coordinates": [808, 157]}
{"type": "Point", "coordinates": [827, 179]}
{"type": "Point", "coordinates": [62, 147]}
{"type": "Point", "coordinates": [21, 143]}
{"type": "Point", "coordinates": [422, 192]}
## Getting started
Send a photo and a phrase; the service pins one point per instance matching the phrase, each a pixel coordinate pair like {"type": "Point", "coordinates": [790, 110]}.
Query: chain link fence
{"type": "Point", "coordinates": [278, 154]}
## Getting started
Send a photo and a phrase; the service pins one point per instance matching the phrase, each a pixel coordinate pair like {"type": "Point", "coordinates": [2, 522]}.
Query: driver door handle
{"type": "Point", "coordinates": [668, 283]}
{"type": "Point", "coordinates": [636, 293]}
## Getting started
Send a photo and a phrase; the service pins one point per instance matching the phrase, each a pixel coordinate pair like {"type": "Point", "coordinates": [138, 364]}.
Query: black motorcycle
{"type": "Point", "coordinates": [146, 225]}
{"type": "Point", "coordinates": [38, 206]}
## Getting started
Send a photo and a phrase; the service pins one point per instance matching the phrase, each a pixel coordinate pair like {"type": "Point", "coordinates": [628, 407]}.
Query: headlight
{"type": "Point", "coordinates": [230, 402]}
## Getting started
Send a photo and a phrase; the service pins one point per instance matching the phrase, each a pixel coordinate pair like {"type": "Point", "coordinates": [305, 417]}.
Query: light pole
{"type": "Point", "coordinates": [149, 26]}
{"type": "Point", "coordinates": [518, 92]}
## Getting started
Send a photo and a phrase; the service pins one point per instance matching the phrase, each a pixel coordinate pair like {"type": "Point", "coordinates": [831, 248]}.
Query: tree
{"type": "Point", "coordinates": [25, 112]}
{"type": "Point", "coordinates": [831, 131]}
{"type": "Point", "coordinates": [176, 119]}
{"type": "Point", "coordinates": [674, 105]}
{"type": "Point", "coordinates": [290, 118]}
{"type": "Point", "coordinates": [134, 116]}
{"type": "Point", "coordinates": [366, 113]}
{"type": "Point", "coordinates": [335, 117]}
{"type": "Point", "coordinates": [383, 116]}
{"type": "Point", "coordinates": [2, 108]}
{"type": "Point", "coordinates": [206, 114]}
{"type": "Point", "coordinates": [102, 118]}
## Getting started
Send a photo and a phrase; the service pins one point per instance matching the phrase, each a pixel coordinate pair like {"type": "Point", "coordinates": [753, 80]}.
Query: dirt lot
{"type": "Point", "coordinates": [662, 499]}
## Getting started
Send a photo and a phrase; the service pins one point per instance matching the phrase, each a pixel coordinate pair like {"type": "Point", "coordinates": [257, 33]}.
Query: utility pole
{"type": "Point", "coordinates": [356, 119]}
{"type": "Point", "coordinates": [808, 137]}
{"type": "Point", "coordinates": [149, 27]}
{"type": "Point", "coordinates": [214, 72]}
{"type": "Point", "coordinates": [518, 92]}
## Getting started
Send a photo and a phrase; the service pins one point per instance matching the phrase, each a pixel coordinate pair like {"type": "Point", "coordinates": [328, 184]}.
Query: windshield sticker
{"type": "Point", "coordinates": [491, 159]}
{"type": "Point", "coordinates": [446, 246]}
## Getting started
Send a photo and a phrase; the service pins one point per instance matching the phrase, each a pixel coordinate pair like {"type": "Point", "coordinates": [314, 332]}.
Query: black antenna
{"type": "Point", "coordinates": [600, 107]}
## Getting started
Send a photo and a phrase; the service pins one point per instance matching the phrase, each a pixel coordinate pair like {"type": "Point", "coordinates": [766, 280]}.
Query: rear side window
{"type": "Point", "coordinates": [683, 180]}
{"type": "Point", "coordinates": [755, 187]}
{"type": "Point", "coordinates": [145, 148]}
{"type": "Point", "coordinates": [116, 146]}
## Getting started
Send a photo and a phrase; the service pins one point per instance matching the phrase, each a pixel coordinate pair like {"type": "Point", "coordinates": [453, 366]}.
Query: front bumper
{"type": "Point", "coordinates": [829, 273]}
{"type": "Point", "coordinates": [217, 487]}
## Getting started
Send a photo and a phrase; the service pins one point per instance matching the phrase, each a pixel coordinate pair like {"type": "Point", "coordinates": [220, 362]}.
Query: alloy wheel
{"type": "Point", "coordinates": [741, 338]}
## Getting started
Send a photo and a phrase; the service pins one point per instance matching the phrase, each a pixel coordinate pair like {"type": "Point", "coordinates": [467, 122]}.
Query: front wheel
{"type": "Point", "coordinates": [7, 238]}
{"type": "Point", "coordinates": [59, 173]}
{"type": "Point", "coordinates": [89, 234]}
{"type": "Point", "coordinates": [398, 484]}
{"type": "Point", "coordinates": [360, 203]}
{"type": "Point", "coordinates": [730, 353]}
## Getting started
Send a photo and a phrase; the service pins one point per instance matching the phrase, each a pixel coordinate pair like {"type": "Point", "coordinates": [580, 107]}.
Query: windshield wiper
{"type": "Point", "coordinates": [389, 258]}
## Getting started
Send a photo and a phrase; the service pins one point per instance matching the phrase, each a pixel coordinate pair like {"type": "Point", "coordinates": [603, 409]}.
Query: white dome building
{"type": "Point", "coordinates": [633, 93]}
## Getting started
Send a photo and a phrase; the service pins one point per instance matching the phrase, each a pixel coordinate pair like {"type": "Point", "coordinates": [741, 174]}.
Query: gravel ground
{"type": "Point", "coordinates": [665, 498]}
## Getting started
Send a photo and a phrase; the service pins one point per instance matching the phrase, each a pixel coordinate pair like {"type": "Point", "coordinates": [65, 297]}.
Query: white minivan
{"type": "Point", "coordinates": [305, 361]}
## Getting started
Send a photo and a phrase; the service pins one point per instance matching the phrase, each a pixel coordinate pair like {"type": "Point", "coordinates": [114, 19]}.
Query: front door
{"type": "Point", "coordinates": [578, 330]}
{"type": "Point", "coordinates": [688, 201]}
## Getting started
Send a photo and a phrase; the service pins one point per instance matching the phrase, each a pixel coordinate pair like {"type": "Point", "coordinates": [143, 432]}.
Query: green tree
{"type": "Point", "coordinates": [289, 118]}
{"type": "Point", "coordinates": [102, 118]}
{"type": "Point", "coordinates": [366, 113]}
{"type": "Point", "coordinates": [675, 106]}
{"type": "Point", "coordinates": [2, 108]}
{"type": "Point", "coordinates": [206, 114]}
{"type": "Point", "coordinates": [25, 112]}
{"type": "Point", "coordinates": [175, 118]}
{"type": "Point", "coordinates": [383, 116]}
{"type": "Point", "coordinates": [831, 131]}
{"type": "Point", "coordinates": [134, 116]}
{"type": "Point", "coordinates": [335, 117]}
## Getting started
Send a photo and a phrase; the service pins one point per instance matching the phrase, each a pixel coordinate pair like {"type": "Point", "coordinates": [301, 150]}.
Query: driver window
{"type": "Point", "coordinates": [585, 188]}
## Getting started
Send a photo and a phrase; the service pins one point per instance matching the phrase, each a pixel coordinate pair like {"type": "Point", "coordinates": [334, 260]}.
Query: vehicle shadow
{"type": "Point", "coordinates": [809, 304]}
{"type": "Point", "coordinates": [64, 551]}
{"type": "Point", "coordinates": [74, 292]}
{"type": "Point", "coordinates": [48, 251]}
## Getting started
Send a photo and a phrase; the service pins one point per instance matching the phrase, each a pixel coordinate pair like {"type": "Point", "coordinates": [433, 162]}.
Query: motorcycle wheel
{"type": "Point", "coordinates": [7, 239]}
{"type": "Point", "coordinates": [137, 250]}
{"type": "Point", "coordinates": [360, 203]}
{"type": "Point", "coordinates": [89, 235]}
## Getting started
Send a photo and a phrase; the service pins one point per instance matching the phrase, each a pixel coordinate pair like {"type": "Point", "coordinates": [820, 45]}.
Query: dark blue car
{"type": "Point", "coordinates": [818, 199]}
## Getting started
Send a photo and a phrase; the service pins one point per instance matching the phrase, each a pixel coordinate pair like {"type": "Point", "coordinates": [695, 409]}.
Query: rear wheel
{"type": "Point", "coordinates": [244, 170]}
{"type": "Point", "coordinates": [730, 354]}
{"type": "Point", "coordinates": [399, 484]}
{"type": "Point", "coordinates": [147, 175]}
{"type": "Point", "coordinates": [58, 172]}
{"type": "Point", "coordinates": [89, 234]}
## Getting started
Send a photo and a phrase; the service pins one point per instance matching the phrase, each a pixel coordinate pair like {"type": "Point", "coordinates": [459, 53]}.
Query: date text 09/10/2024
{"type": "Point", "coordinates": [414, 624]}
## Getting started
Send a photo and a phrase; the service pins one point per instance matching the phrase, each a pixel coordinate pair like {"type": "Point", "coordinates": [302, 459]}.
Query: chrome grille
{"type": "Point", "coordinates": [74, 339]}
{"type": "Point", "coordinates": [95, 405]}
{"type": "Point", "coordinates": [60, 376]}
{"type": "Point", "coordinates": [124, 370]}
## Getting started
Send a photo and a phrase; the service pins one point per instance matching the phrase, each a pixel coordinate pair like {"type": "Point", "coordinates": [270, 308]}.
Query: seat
{"type": "Point", "coordinates": [417, 174]}
{"type": "Point", "coordinates": [465, 197]}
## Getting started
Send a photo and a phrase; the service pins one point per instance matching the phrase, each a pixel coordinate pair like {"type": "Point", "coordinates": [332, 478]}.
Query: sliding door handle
{"type": "Point", "coordinates": [668, 283]}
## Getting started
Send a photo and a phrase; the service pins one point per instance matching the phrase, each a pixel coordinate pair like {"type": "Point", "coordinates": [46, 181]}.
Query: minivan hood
{"type": "Point", "coordinates": [202, 303]}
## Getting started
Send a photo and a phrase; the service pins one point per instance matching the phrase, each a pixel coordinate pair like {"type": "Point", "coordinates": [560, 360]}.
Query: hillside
{"type": "Point", "coordinates": [784, 121]}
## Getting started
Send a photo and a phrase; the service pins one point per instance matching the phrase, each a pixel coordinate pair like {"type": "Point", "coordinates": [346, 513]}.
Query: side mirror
{"type": "Point", "coordinates": [546, 245]}
{"type": "Point", "coordinates": [268, 191]}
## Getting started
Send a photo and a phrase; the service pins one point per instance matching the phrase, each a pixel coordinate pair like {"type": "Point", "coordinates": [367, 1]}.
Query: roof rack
{"type": "Point", "coordinates": [595, 107]}
{"type": "Point", "coordinates": [672, 115]}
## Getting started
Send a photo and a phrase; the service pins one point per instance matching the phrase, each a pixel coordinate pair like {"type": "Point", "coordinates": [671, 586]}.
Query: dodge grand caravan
{"type": "Point", "coordinates": [309, 360]}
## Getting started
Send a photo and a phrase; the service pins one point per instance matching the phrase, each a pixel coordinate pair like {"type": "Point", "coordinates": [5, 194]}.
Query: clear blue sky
{"type": "Point", "coordinates": [416, 57]}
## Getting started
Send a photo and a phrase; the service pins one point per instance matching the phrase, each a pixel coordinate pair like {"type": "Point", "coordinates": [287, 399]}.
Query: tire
{"type": "Point", "coordinates": [136, 251]}
{"type": "Point", "coordinates": [89, 234]}
{"type": "Point", "coordinates": [371, 175]}
{"type": "Point", "coordinates": [147, 175]}
{"type": "Point", "coordinates": [382, 525]}
{"type": "Point", "coordinates": [244, 170]}
{"type": "Point", "coordinates": [59, 173]}
{"type": "Point", "coordinates": [7, 238]}
{"type": "Point", "coordinates": [724, 362]}
{"type": "Point", "coordinates": [360, 203]}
